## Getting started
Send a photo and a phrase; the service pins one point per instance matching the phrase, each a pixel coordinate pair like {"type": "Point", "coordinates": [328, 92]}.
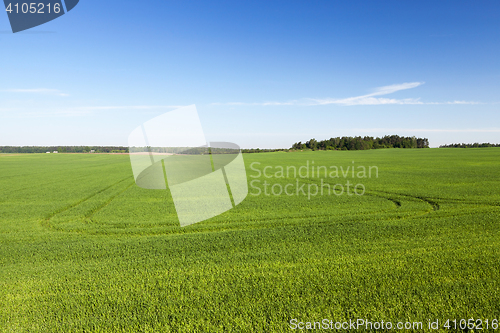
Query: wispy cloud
{"type": "Point", "coordinates": [37, 91]}
{"type": "Point", "coordinates": [431, 130]}
{"type": "Point", "coordinates": [43, 113]}
{"type": "Point", "coordinates": [82, 111]}
{"type": "Point", "coordinates": [454, 102]}
{"type": "Point", "coordinates": [295, 102]}
{"type": "Point", "coordinates": [394, 87]}
{"type": "Point", "coordinates": [129, 107]}
{"type": "Point", "coordinates": [368, 99]}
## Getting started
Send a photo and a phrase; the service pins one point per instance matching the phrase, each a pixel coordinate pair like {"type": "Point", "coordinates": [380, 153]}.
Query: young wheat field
{"type": "Point", "coordinates": [413, 238]}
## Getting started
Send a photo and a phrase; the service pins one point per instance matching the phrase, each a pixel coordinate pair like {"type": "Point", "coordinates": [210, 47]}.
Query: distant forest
{"type": "Point", "coordinates": [258, 150]}
{"type": "Point", "coordinates": [363, 143]}
{"type": "Point", "coordinates": [470, 145]}
{"type": "Point", "coordinates": [62, 149]}
{"type": "Point", "coordinates": [339, 143]}
{"type": "Point", "coordinates": [102, 149]}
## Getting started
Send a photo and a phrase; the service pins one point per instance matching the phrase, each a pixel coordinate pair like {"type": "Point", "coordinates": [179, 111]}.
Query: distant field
{"type": "Point", "coordinates": [83, 249]}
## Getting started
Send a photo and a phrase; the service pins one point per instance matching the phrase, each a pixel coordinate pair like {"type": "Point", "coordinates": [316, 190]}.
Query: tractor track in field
{"type": "Point", "coordinates": [434, 204]}
{"type": "Point", "coordinates": [433, 201]}
{"type": "Point", "coordinates": [396, 202]}
{"type": "Point", "coordinates": [466, 201]}
{"type": "Point", "coordinates": [47, 218]}
{"type": "Point", "coordinates": [41, 185]}
{"type": "Point", "coordinates": [396, 198]}
{"type": "Point", "coordinates": [100, 207]}
{"type": "Point", "coordinates": [384, 195]}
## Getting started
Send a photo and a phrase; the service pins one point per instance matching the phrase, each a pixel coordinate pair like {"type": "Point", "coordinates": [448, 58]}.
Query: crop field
{"type": "Point", "coordinates": [413, 238]}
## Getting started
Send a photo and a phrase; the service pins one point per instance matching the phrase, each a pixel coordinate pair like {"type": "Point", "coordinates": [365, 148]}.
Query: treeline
{"type": "Point", "coordinates": [103, 149]}
{"type": "Point", "coordinates": [206, 150]}
{"type": "Point", "coordinates": [258, 150]}
{"type": "Point", "coordinates": [61, 149]}
{"type": "Point", "coordinates": [363, 143]}
{"type": "Point", "coordinates": [339, 143]}
{"type": "Point", "coordinates": [185, 150]}
{"type": "Point", "coordinates": [470, 145]}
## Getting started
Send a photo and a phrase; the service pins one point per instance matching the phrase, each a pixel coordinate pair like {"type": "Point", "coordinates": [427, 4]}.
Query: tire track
{"type": "Point", "coordinates": [100, 207]}
{"type": "Point", "coordinates": [434, 204]}
{"type": "Point", "coordinates": [61, 210]}
{"type": "Point", "coordinates": [397, 203]}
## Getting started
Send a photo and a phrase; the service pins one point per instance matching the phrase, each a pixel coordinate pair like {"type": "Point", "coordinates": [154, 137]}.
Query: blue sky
{"type": "Point", "coordinates": [262, 74]}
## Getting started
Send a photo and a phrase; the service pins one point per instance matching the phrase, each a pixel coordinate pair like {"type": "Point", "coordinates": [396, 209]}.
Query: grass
{"type": "Point", "coordinates": [83, 249]}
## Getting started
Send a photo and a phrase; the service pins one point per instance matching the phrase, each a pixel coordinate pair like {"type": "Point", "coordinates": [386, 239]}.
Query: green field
{"type": "Point", "coordinates": [83, 249]}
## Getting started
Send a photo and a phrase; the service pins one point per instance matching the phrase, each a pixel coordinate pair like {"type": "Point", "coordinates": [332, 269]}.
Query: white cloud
{"type": "Point", "coordinates": [365, 100]}
{"type": "Point", "coordinates": [45, 114]}
{"type": "Point", "coordinates": [129, 107]}
{"type": "Point", "coordinates": [368, 99]}
{"type": "Point", "coordinates": [259, 104]}
{"type": "Point", "coordinates": [393, 88]}
{"type": "Point", "coordinates": [37, 91]}
{"type": "Point", "coordinates": [74, 111]}
{"type": "Point", "coordinates": [456, 102]}
{"type": "Point", "coordinates": [432, 130]}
